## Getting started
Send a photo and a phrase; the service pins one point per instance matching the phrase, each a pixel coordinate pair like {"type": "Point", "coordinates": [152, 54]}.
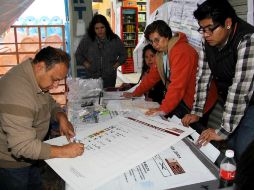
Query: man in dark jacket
{"type": "Point", "coordinates": [228, 58]}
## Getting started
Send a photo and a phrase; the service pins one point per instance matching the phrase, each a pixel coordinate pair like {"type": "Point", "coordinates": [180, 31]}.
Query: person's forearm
{"type": "Point", "coordinates": [70, 150]}
{"type": "Point", "coordinates": [61, 116]}
{"type": "Point", "coordinates": [56, 152]}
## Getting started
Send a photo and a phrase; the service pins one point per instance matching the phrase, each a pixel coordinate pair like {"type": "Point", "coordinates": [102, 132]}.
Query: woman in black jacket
{"type": "Point", "coordinates": [100, 52]}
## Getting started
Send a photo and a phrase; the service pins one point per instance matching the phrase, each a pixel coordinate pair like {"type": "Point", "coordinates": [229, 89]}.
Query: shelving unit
{"type": "Point", "coordinates": [141, 4]}
{"type": "Point", "coordinates": [129, 35]}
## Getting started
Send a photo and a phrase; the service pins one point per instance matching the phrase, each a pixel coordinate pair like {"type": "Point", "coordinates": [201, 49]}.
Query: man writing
{"type": "Point", "coordinates": [26, 108]}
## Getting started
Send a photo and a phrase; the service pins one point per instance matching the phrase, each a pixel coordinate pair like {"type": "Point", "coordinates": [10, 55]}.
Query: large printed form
{"type": "Point", "coordinates": [175, 167]}
{"type": "Point", "coordinates": [114, 147]}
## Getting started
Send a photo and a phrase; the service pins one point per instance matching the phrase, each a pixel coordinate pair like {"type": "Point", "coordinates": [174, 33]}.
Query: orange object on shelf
{"type": "Point", "coordinates": [23, 57]}
{"type": "Point", "coordinates": [54, 41]}
{"type": "Point", "coordinates": [29, 44]}
{"type": "Point", "coordinates": [129, 3]}
{"type": "Point", "coordinates": [9, 40]}
{"type": "Point", "coordinates": [10, 60]}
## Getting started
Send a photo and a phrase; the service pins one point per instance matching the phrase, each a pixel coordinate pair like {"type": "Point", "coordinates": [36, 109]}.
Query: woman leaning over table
{"type": "Point", "coordinates": [176, 66]}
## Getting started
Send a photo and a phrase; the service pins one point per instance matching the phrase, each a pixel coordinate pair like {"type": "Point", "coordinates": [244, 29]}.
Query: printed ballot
{"type": "Point", "coordinates": [113, 147]}
{"type": "Point", "coordinates": [177, 166]}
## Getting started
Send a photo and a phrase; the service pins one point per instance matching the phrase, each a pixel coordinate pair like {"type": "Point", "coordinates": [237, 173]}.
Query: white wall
{"type": "Point", "coordinates": [250, 14]}
{"type": "Point", "coordinates": [47, 8]}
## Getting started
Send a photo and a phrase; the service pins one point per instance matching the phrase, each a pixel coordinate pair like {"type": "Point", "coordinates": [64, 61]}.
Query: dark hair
{"type": "Point", "coordinates": [217, 10]}
{"type": "Point", "coordinates": [158, 26]}
{"type": "Point", "coordinates": [145, 68]}
{"type": "Point", "coordinates": [100, 19]}
{"type": "Point", "coordinates": [51, 56]}
{"type": "Point", "coordinates": [244, 170]}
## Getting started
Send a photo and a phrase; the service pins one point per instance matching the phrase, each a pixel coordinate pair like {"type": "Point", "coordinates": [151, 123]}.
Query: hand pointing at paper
{"type": "Point", "coordinates": [208, 135]}
{"type": "Point", "coordinates": [189, 119]}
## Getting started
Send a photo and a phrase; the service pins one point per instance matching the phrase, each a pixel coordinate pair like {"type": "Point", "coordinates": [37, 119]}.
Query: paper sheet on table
{"type": "Point", "coordinates": [117, 95]}
{"type": "Point", "coordinates": [131, 105]}
{"type": "Point", "coordinates": [114, 95]}
{"type": "Point", "coordinates": [101, 118]}
{"type": "Point", "coordinates": [112, 148]}
{"type": "Point", "coordinates": [175, 167]}
{"type": "Point", "coordinates": [209, 150]}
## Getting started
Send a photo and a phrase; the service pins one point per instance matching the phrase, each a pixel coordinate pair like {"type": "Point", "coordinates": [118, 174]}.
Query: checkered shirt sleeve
{"type": "Point", "coordinates": [241, 90]}
{"type": "Point", "coordinates": [203, 79]}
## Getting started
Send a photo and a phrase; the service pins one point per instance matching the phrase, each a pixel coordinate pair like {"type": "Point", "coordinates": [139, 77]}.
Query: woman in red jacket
{"type": "Point", "coordinates": [176, 66]}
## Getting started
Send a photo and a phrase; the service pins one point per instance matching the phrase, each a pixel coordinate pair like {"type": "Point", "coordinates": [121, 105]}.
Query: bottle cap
{"type": "Point", "coordinates": [229, 153]}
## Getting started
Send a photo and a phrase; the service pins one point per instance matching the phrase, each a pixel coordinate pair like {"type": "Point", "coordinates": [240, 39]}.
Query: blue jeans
{"type": "Point", "coordinates": [27, 178]}
{"type": "Point", "coordinates": [244, 133]}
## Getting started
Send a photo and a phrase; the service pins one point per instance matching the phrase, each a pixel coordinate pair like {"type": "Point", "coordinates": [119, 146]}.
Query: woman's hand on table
{"type": "Point", "coordinates": [155, 112]}
{"type": "Point", "coordinates": [127, 95]}
{"type": "Point", "coordinates": [189, 119]}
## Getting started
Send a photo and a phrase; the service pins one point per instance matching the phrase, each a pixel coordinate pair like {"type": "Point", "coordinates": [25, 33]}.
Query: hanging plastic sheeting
{"type": "Point", "coordinates": [44, 20]}
{"type": "Point", "coordinates": [9, 37]}
{"type": "Point", "coordinates": [20, 21]}
{"type": "Point", "coordinates": [10, 11]}
{"type": "Point", "coordinates": [54, 41]}
{"type": "Point", "coordinates": [55, 20]}
{"type": "Point", "coordinates": [31, 20]}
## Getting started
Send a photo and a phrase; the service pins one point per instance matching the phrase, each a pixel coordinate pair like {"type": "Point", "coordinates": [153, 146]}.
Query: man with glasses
{"type": "Point", "coordinates": [176, 65]}
{"type": "Point", "coordinates": [227, 58]}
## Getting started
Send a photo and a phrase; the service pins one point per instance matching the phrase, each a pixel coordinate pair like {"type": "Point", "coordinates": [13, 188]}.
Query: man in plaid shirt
{"type": "Point", "coordinates": [227, 57]}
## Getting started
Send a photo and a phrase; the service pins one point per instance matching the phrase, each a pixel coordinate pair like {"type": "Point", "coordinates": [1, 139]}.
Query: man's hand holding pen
{"type": "Point", "coordinates": [76, 146]}
{"type": "Point", "coordinates": [73, 150]}
{"type": "Point", "coordinates": [70, 150]}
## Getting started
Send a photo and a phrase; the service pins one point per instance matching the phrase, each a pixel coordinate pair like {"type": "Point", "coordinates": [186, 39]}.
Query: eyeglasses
{"type": "Point", "coordinates": [208, 29]}
{"type": "Point", "coordinates": [154, 41]}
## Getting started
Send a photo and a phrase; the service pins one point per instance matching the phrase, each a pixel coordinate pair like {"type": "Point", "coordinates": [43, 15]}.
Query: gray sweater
{"type": "Point", "coordinates": [25, 113]}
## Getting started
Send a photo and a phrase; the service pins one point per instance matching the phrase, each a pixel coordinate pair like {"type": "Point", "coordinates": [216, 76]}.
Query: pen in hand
{"type": "Point", "coordinates": [75, 139]}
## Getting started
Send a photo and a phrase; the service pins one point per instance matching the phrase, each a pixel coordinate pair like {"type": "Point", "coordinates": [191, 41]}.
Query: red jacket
{"type": "Point", "coordinates": [183, 61]}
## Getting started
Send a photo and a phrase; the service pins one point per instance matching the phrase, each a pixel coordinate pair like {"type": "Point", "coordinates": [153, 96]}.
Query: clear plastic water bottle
{"type": "Point", "coordinates": [227, 170]}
